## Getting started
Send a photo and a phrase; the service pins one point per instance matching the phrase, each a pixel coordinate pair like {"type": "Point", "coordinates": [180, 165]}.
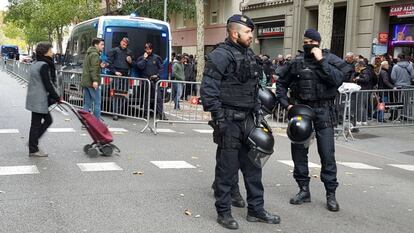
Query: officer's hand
{"type": "Point", "coordinates": [118, 73]}
{"type": "Point", "coordinates": [289, 107]}
{"type": "Point", "coordinates": [95, 85]}
{"type": "Point", "coordinates": [317, 52]}
{"type": "Point", "coordinates": [129, 59]}
{"type": "Point", "coordinates": [145, 55]}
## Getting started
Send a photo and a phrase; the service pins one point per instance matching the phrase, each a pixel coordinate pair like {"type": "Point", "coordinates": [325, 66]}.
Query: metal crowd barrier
{"type": "Point", "coordinates": [121, 96]}
{"type": "Point", "coordinates": [185, 108]}
{"type": "Point", "coordinates": [378, 108]}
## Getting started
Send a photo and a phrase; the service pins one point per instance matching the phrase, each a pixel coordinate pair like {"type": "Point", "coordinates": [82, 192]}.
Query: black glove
{"type": "Point", "coordinates": [260, 121]}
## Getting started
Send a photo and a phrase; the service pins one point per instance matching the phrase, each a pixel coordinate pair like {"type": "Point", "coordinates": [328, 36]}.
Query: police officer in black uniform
{"type": "Point", "coordinates": [314, 77]}
{"type": "Point", "coordinates": [150, 65]}
{"type": "Point", "coordinates": [229, 91]}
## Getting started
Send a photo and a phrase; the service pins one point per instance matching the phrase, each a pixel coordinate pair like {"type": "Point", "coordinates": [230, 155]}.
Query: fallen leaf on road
{"type": "Point", "coordinates": [194, 157]}
{"type": "Point", "coordinates": [187, 212]}
{"type": "Point", "coordinates": [277, 185]}
{"type": "Point", "coordinates": [197, 165]}
{"type": "Point", "coordinates": [2, 192]}
{"type": "Point", "coordinates": [138, 173]}
{"type": "Point", "coordinates": [349, 173]}
{"type": "Point", "coordinates": [118, 133]}
{"type": "Point", "coordinates": [364, 191]}
{"type": "Point", "coordinates": [291, 171]}
{"type": "Point", "coordinates": [200, 170]}
{"type": "Point", "coordinates": [67, 119]}
{"type": "Point", "coordinates": [315, 176]}
{"type": "Point", "coordinates": [371, 187]}
{"type": "Point", "coordinates": [182, 195]}
{"type": "Point", "coordinates": [83, 134]}
{"type": "Point", "coordinates": [134, 124]}
{"type": "Point", "coordinates": [410, 210]}
{"type": "Point", "coordinates": [197, 216]}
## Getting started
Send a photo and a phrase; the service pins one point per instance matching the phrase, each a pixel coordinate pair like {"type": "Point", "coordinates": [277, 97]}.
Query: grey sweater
{"type": "Point", "coordinates": [402, 74]}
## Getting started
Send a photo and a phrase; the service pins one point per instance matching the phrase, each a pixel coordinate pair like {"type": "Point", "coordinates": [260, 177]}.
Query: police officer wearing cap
{"type": "Point", "coordinates": [314, 77]}
{"type": "Point", "coordinates": [229, 91]}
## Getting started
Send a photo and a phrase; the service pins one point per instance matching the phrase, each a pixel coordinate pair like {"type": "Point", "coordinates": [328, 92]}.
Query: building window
{"type": "Point", "coordinates": [214, 11]}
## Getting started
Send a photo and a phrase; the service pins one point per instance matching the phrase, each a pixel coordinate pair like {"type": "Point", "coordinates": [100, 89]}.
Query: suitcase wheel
{"type": "Point", "coordinates": [86, 148]}
{"type": "Point", "coordinates": [93, 152]}
{"type": "Point", "coordinates": [107, 150]}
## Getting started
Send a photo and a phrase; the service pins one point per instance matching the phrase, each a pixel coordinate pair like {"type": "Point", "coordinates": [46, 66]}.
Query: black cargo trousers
{"type": "Point", "coordinates": [231, 155]}
{"type": "Point", "coordinates": [324, 123]}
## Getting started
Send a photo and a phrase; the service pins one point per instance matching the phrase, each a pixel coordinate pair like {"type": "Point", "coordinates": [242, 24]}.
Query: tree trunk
{"type": "Point", "coordinates": [200, 39]}
{"type": "Point", "coordinates": [107, 7]}
{"type": "Point", "coordinates": [59, 33]}
{"type": "Point", "coordinates": [325, 22]}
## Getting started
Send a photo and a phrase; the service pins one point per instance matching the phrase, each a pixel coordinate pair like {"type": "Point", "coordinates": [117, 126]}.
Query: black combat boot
{"type": "Point", "coordinates": [331, 203]}
{"type": "Point", "coordinates": [227, 221]}
{"type": "Point", "coordinates": [263, 216]}
{"type": "Point", "coordinates": [237, 200]}
{"type": "Point", "coordinates": [302, 196]}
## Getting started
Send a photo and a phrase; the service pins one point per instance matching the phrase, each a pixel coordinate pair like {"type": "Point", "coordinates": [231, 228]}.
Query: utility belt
{"type": "Point", "coordinates": [318, 103]}
{"type": "Point", "coordinates": [236, 114]}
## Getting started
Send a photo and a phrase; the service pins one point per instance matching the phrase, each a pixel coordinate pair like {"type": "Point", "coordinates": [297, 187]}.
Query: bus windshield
{"type": "Point", "coordinates": [137, 39]}
{"type": "Point", "coordinates": [8, 49]}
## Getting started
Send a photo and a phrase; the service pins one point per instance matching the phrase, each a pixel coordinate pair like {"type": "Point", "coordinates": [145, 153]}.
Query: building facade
{"type": "Point", "coordinates": [216, 13]}
{"type": "Point", "coordinates": [365, 27]}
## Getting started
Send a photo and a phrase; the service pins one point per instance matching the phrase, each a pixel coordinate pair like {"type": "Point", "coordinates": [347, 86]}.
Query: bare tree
{"type": "Point", "coordinates": [325, 22]}
{"type": "Point", "coordinates": [200, 39]}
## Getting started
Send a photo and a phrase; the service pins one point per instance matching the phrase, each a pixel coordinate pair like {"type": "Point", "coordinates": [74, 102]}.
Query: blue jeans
{"type": "Point", "coordinates": [92, 101]}
{"type": "Point", "coordinates": [178, 93]}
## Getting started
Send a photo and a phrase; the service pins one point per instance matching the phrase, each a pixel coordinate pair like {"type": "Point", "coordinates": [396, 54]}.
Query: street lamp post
{"type": "Point", "coordinates": [165, 10]}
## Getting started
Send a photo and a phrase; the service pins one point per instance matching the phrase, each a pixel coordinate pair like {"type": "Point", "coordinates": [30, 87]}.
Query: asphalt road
{"type": "Point", "coordinates": [57, 196]}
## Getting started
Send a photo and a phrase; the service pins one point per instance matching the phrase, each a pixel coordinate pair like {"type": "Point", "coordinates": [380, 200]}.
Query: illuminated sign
{"type": "Point", "coordinates": [273, 29]}
{"type": "Point", "coordinates": [402, 10]}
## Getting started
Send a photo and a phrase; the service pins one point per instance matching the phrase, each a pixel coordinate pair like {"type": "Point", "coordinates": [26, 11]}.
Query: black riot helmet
{"type": "Point", "coordinates": [260, 141]}
{"type": "Point", "coordinates": [300, 129]}
{"type": "Point", "coordinates": [268, 100]}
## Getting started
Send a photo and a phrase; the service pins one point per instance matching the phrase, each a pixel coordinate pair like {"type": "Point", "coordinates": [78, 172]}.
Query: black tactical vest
{"type": "Point", "coordinates": [309, 87]}
{"type": "Point", "coordinates": [239, 88]}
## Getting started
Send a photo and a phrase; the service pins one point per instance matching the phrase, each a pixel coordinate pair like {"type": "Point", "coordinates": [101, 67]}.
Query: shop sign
{"type": "Point", "coordinates": [273, 29]}
{"type": "Point", "coordinates": [402, 10]}
{"type": "Point", "coordinates": [383, 37]}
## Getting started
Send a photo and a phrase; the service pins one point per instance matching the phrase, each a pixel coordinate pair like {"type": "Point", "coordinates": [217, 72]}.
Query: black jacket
{"type": "Point", "coordinates": [117, 60]}
{"type": "Point", "coordinates": [384, 81]}
{"type": "Point", "coordinates": [152, 65]}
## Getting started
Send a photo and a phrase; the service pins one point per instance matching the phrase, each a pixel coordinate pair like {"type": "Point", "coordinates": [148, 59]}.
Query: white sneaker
{"type": "Point", "coordinates": [358, 123]}
{"type": "Point", "coordinates": [364, 123]}
{"type": "Point", "coordinates": [39, 153]}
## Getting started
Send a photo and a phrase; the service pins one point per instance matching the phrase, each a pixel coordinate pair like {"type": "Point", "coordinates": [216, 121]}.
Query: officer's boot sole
{"type": "Point", "coordinates": [299, 202]}
{"type": "Point", "coordinates": [231, 227]}
{"type": "Point", "coordinates": [254, 219]}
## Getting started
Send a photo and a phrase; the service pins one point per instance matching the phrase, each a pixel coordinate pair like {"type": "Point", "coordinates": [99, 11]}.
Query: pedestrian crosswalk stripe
{"type": "Point", "coordinates": [18, 170]}
{"type": "Point", "coordinates": [166, 131]}
{"type": "Point", "coordinates": [6, 131]}
{"type": "Point", "coordinates": [172, 164]}
{"type": "Point", "coordinates": [94, 167]}
{"type": "Point", "coordinates": [359, 166]}
{"type": "Point", "coordinates": [403, 166]}
{"type": "Point", "coordinates": [290, 163]}
{"type": "Point", "coordinates": [61, 130]}
{"type": "Point", "coordinates": [118, 130]}
{"type": "Point", "coordinates": [209, 131]}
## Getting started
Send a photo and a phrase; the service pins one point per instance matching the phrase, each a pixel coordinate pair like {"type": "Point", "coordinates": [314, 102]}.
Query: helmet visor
{"type": "Point", "coordinates": [258, 158]}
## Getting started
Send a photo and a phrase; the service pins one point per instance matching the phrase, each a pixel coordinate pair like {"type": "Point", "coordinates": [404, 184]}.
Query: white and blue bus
{"type": "Point", "coordinates": [112, 29]}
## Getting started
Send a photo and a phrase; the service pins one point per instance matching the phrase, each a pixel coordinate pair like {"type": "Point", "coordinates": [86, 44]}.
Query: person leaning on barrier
{"type": "Point", "coordinates": [229, 91]}
{"type": "Point", "coordinates": [150, 65]}
{"type": "Point", "coordinates": [120, 60]}
{"type": "Point", "coordinates": [316, 75]}
{"type": "Point", "coordinates": [91, 79]}
{"type": "Point", "coordinates": [40, 95]}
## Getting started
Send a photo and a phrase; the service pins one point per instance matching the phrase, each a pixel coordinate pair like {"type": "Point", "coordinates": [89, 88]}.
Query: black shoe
{"type": "Point", "coordinates": [162, 117]}
{"type": "Point", "coordinates": [331, 203]}
{"type": "Point", "coordinates": [263, 216]}
{"type": "Point", "coordinates": [227, 221]}
{"type": "Point", "coordinates": [302, 196]}
{"type": "Point", "coordinates": [237, 200]}
{"type": "Point", "coordinates": [115, 118]}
